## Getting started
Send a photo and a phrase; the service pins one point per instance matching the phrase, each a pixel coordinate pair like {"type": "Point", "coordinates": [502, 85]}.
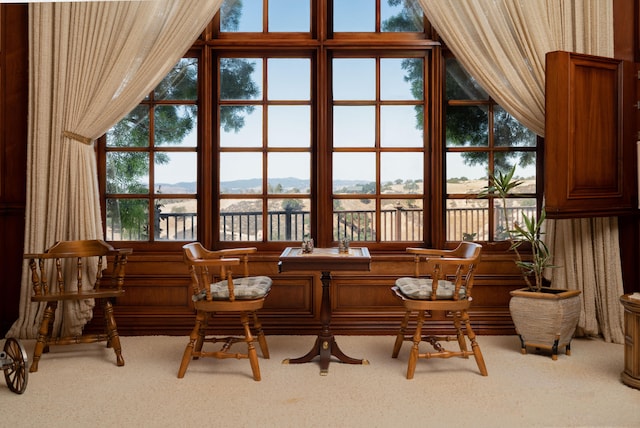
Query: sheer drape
{"type": "Point", "coordinates": [502, 44]}
{"type": "Point", "coordinates": [90, 64]}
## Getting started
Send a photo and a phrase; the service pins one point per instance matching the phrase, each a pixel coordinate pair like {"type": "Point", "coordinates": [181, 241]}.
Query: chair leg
{"type": "Point", "coordinates": [413, 356]}
{"type": "Point", "coordinates": [202, 331]}
{"type": "Point", "coordinates": [462, 341]}
{"type": "Point", "coordinates": [474, 345]}
{"type": "Point", "coordinates": [400, 335]}
{"type": "Point", "coordinates": [113, 339]}
{"type": "Point", "coordinates": [188, 351]}
{"type": "Point", "coordinates": [262, 340]}
{"type": "Point", "coordinates": [43, 335]}
{"type": "Point", "coordinates": [253, 355]}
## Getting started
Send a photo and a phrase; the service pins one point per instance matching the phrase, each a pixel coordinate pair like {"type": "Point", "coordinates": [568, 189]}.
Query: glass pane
{"type": "Point", "coordinates": [132, 130]}
{"type": "Point", "coordinates": [176, 219]}
{"type": "Point", "coordinates": [401, 79]}
{"type": "Point", "coordinates": [240, 172]}
{"type": "Point", "coordinates": [401, 220]}
{"type": "Point", "coordinates": [176, 172]}
{"type": "Point", "coordinates": [467, 172]}
{"type": "Point", "coordinates": [354, 219]}
{"type": "Point", "coordinates": [467, 126]}
{"type": "Point", "coordinates": [354, 173]}
{"type": "Point", "coordinates": [240, 78]}
{"type": "Point", "coordinates": [508, 132]}
{"type": "Point", "coordinates": [127, 220]}
{"type": "Point", "coordinates": [467, 219]}
{"type": "Point", "coordinates": [289, 15]}
{"type": "Point", "coordinates": [176, 125]}
{"type": "Point", "coordinates": [514, 212]}
{"type": "Point", "coordinates": [289, 172]}
{"type": "Point", "coordinates": [128, 172]}
{"type": "Point", "coordinates": [241, 126]}
{"type": "Point", "coordinates": [240, 220]}
{"type": "Point", "coordinates": [401, 126]}
{"type": "Point", "coordinates": [241, 16]}
{"type": "Point", "coordinates": [525, 169]}
{"type": "Point", "coordinates": [404, 171]}
{"type": "Point", "coordinates": [354, 126]}
{"type": "Point", "coordinates": [289, 219]}
{"type": "Point", "coordinates": [401, 16]}
{"type": "Point", "coordinates": [354, 79]}
{"type": "Point", "coordinates": [289, 79]}
{"type": "Point", "coordinates": [289, 126]}
{"type": "Point", "coordinates": [181, 83]}
{"type": "Point", "coordinates": [460, 85]}
{"type": "Point", "coordinates": [354, 15]}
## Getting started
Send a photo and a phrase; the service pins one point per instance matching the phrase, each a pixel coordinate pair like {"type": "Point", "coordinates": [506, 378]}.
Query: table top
{"type": "Point", "coordinates": [325, 259]}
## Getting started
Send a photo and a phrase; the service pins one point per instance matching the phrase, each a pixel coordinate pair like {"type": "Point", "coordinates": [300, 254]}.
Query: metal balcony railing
{"type": "Point", "coordinates": [398, 224]}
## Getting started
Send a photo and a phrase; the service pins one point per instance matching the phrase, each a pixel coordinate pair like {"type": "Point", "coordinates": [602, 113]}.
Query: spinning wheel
{"type": "Point", "coordinates": [13, 360]}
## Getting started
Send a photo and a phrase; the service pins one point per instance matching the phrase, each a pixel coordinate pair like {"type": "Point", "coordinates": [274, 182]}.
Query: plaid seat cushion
{"type": "Point", "coordinates": [421, 289]}
{"type": "Point", "coordinates": [251, 287]}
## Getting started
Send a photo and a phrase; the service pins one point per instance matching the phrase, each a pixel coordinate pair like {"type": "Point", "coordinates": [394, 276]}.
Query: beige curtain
{"type": "Point", "coordinates": [90, 63]}
{"type": "Point", "coordinates": [502, 44]}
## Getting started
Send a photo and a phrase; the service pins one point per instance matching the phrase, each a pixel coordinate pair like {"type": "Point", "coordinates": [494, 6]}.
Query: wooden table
{"type": "Point", "coordinates": [631, 374]}
{"type": "Point", "coordinates": [325, 260]}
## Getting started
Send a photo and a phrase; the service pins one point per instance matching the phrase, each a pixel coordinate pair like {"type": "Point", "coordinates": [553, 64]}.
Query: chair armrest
{"type": "Point", "coordinates": [236, 251]}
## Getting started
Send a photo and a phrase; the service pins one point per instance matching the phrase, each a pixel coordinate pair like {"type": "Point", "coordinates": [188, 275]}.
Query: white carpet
{"type": "Point", "coordinates": [80, 386]}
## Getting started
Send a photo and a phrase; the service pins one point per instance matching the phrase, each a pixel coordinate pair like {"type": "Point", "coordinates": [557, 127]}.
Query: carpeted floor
{"type": "Point", "coordinates": [80, 386]}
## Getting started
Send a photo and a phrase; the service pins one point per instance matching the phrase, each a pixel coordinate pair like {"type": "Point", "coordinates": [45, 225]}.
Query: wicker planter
{"type": "Point", "coordinates": [545, 319]}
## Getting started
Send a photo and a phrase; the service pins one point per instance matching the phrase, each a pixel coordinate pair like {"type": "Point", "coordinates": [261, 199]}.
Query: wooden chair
{"type": "Point", "coordinates": [447, 287]}
{"type": "Point", "coordinates": [71, 271]}
{"type": "Point", "coordinates": [215, 290]}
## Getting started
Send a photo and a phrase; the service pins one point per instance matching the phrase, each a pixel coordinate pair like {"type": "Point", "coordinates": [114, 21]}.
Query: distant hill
{"type": "Point", "coordinates": [241, 186]}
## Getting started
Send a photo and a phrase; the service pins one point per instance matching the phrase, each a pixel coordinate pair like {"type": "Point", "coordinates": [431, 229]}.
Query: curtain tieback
{"type": "Point", "coordinates": [77, 137]}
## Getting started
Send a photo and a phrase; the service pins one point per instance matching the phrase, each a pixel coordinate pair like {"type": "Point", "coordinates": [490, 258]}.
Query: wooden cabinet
{"type": "Point", "coordinates": [590, 144]}
{"type": "Point", "coordinates": [631, 373]}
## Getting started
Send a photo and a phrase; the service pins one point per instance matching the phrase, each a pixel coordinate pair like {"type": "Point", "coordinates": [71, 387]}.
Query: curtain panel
{"type": "Point", "coordinates": [502, 44]}
{"type": "Point", "coordinates": [90, 63]}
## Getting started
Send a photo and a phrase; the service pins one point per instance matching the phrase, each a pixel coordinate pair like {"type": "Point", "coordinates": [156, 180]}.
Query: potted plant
{"type": "Point", "coordinates": [544, 317]}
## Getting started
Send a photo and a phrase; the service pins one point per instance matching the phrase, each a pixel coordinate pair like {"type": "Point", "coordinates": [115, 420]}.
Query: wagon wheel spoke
{"type": "Point", "coordinates": [16, 374]}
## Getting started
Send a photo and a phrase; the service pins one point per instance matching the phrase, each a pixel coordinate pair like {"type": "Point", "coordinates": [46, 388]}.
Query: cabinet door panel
{"type": "Point", "coordinates": [589, 141]}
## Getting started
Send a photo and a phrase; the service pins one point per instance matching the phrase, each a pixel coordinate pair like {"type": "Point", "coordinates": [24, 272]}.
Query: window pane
{"type": "Point", "coordinates": [354, 126]}
{"type": "Point", "coordinates": [289, 219]}
{"type": "Point", "coordinates": [128, 172]}
{"type": "Point", "coordinates": [401, 79]}
{"type": "Point", "coordinates": [240, 78]}
{"type": "Point", "coordinates": [460, 85]}
{"type": "Point", "coordinates": [354, 79]}
{"type": "Point", "coordinates": [354, 15]}
{"type": "Point", "coordinates": [401, 16]}
{"type": "Point", "coordinates": [467, 219]}
{"type": "Point", "coordinates": [241, 16]}
{"type": "Point", "coordinates": [525, 169]}
{"type": "Point", "coordinates": [132, 130]}
{"type": "Point", "coordinates": [467, 172]}
{"type": "Point", "coordinates": [176, 219]}
{"type": "Point", "coordinates": [289, 126]}
{"type": "Point", "coordinates": [176, 125]}
{"type": "Point", "coordinates": [289, 78]}
{"type": "Point", "coordinates": [175, 172]}
{"type": "Point", "coordinates": [404, 170]}
{"type": "Point", "coordinates": [401, 220]}
{"type": "Point", "coordinates": [240, 220]}
{"type": "Point", "coordinates": [354, 219]}
{"type": "Point", "coordinates": [467, 126]}
{"type": "Point", "coordinates": [289, 15]}
{"type": "Point", "coordinates": [289, 172]}
{"type": "Point", "coordinates": [241, 126]}
{"type": "Point", "coordinates": [401, 126]}
{"type": "Point", "coordinates": [240, 172]}
{"type": "Point", "coordinates": [508, 132]}
{"type": "Point", "coordinates": [514, 212]}
{"type": "Point", "coordinates": [127, 220]}
{"type": "Point", "coordinates": [354, 173]}
{"type": "Point", "coordinates": [181, 83]}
